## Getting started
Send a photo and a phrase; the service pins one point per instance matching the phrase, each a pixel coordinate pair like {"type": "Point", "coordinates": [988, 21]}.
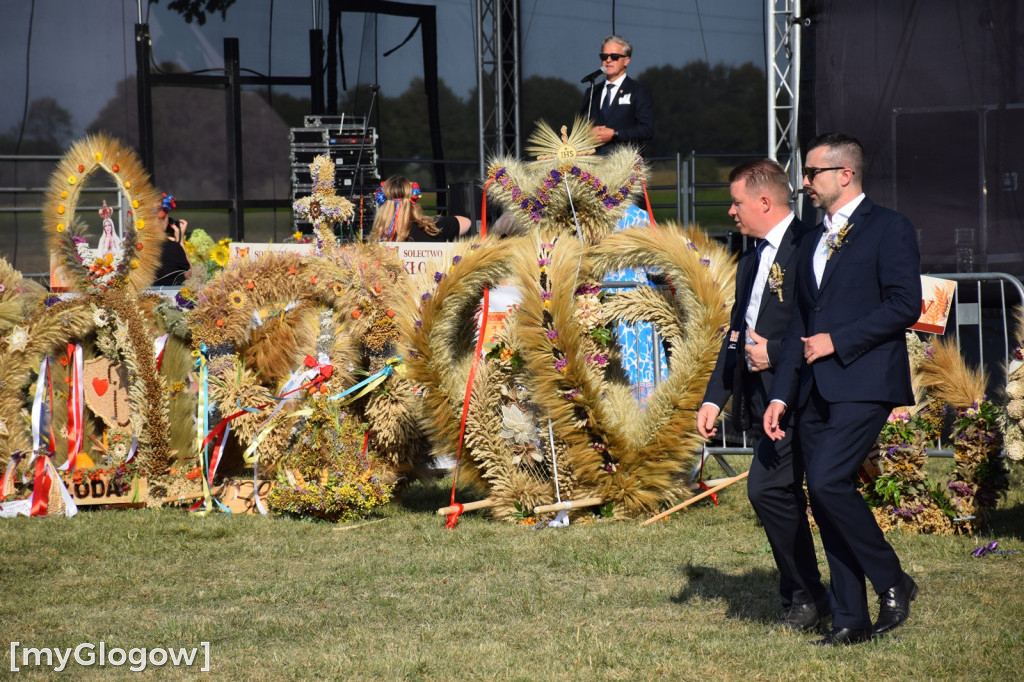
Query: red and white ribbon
{"type": "Point", "coordinates": [159, 346]}
{"type": "Point", "coordinates": [38, 405]}
{"type": "Point", "coordinates": [76, 407]}
{"type": "Point", "coordinates": [218, 450]}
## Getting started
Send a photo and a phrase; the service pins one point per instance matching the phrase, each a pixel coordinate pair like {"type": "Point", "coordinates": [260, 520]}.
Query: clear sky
{"type": "Point", "coordinates": [78, 51]}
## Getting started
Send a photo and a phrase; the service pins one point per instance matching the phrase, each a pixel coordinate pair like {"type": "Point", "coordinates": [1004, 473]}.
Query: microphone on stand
{"type": "Point", "coordinates": [589, 78]}
{"type": "Point", "coordinates": [357, 175]}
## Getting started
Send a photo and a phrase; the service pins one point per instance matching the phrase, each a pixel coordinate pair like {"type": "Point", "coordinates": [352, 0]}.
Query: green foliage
{"type": "Point", "coordinates": [886, 490]}
{"type": "Point", "coordinates": [196, 10]}
{"type": "Point", "coordinates": [938, 495]}
{"type": "Point", "coordinates": [328, 476]}
{"type": "Point", "coordinates": [602, 335]}
{"type": "Point", "coordinates": [710, 109]}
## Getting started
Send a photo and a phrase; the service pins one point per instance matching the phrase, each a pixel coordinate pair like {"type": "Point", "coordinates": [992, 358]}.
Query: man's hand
{"type": "Point", "coordinates": [604, 134]}
{"type": "Point", "coordinates": [817, 347]}
{"type": "Point", "coordinates": [707, 415]}
{"type": "Point", "coordinates": [772, 416]}
{"type": "Point", "coordinates": [757, 354]}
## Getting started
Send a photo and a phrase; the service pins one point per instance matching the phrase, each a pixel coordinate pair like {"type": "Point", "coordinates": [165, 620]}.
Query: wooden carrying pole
{"type": "Point", "coordinates": [710, 491]}
{"type": "Point", "coordinates": [469, 506]}
{"type": "Point", "coordinates": [571, 504]}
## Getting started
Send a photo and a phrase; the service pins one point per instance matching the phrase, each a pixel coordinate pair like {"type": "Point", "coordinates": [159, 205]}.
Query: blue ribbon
{"type": "Point", "coordinates": [387, 371]}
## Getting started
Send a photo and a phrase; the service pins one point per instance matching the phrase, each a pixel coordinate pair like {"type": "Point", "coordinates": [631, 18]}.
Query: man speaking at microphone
{"type": "Point", "coordinates": [621, 109]}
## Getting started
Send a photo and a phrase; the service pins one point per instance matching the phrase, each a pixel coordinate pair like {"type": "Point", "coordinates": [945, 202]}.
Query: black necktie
{"type": "Point", "coordinates": [757, 265]}
{"type": "Point", "coordinates": [607, 104]}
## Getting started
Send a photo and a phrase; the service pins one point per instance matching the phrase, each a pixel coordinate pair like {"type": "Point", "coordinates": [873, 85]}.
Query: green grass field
{"type": "Point", "coordinates": [401, 598]}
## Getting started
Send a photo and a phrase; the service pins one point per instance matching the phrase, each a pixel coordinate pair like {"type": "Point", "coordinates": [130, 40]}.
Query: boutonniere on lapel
{"type": "Point", "coordinates": [835, 240]}
{"type": "Point", "coordinates": [775, 278]}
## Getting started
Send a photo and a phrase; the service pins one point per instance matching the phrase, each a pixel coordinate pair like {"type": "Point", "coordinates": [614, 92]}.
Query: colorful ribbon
{"type": "Point", "coordinates": [76, 407]}
{"type": "Point", "coordinates": [650, 213]}
{"type": "Point", "coordinates": [990, 550]}
{"type": "Point", "coordinates": [250, 455]}
{"type": "Point", "coordinates": [38, 405]}
{"type": "Point", "coordinates": [208, 502]}
{"type": "Point", "coordinates": [41, 488]}
{"type": "Point", "coordinates": [370, 382]}
{"type": "Point", "coordinates": [453, 518]}
{"type": "Point", "coordinates": [159, 346]}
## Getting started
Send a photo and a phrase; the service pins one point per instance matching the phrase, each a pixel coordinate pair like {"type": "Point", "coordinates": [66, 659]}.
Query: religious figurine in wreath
{"type": "Point", "coordinates": [109, 240]}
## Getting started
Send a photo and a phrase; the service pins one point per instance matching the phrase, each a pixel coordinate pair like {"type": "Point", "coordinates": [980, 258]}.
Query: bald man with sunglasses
{"type": "Point", "coordinates": [621, 109]}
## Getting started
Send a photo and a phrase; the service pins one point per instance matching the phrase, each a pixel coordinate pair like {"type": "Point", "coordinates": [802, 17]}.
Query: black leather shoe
{"type": "Point", "coordinates": [894, 605]}
{"type": "Point", "coordinates": [804, 617]}
{"type": "Point", "coordinates": [844, 637]}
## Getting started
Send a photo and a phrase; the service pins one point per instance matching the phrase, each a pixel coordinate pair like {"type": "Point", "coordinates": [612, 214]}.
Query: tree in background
{"type": "Point", "coordinates": [719, 109]}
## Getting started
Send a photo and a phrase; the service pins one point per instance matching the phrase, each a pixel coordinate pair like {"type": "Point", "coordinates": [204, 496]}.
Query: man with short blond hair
{"type": "Point", "coordinates": [765, 286]}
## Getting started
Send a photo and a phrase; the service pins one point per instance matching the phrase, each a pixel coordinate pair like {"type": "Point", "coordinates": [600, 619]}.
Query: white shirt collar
{"type": "Point", "coordinates": [774, 236]}
{"type": "Point", "coordinates": [618, 81]}
{"type": "Point", "coordinates": [842, 214]}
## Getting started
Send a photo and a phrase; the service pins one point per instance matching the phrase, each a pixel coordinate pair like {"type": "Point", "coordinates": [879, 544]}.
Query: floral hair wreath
{"type": "Point", "coordinates": [167, 203]}
{"type": "Point", "coordinates": [379, 197]}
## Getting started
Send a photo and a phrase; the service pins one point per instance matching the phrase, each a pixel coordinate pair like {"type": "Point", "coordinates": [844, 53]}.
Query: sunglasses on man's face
{"type": "Point", "coordinates": [614, 56]}
{"type": "Point", "coordinates": [810, 172]}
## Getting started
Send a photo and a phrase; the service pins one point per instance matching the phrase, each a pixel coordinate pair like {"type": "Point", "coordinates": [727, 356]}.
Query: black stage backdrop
{"type": "Point", "coordinates": [934, 89]}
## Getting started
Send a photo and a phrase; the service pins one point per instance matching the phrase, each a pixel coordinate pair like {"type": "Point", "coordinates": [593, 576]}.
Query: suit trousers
{"type": "Point", "coordinates": [775, 487]}
{"type": "Point", "coordinates": [835, 438]}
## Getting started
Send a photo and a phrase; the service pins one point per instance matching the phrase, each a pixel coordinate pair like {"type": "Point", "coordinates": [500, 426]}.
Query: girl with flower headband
{"type": "Point", "coordinates": [399, 217]}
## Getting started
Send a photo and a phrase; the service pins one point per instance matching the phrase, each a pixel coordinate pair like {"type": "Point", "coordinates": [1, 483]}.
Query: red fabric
{"type": "Point", "coordinates": [41, 487]}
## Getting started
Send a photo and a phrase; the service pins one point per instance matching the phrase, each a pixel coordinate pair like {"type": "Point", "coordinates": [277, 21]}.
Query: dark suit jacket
{"type": "Point", "coordinates": [870, 293]}
{"type": "Point", "coordinates": [730, 376]}
{"type": "Point", "coordinates": [631, 114]}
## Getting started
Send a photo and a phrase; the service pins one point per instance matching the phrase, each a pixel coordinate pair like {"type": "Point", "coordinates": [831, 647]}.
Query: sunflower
{"type": "Point", "coordinates": [237, 299]}
{"type": "Point", "coordinates": [219, 255]}
{"type": "Point", "coordinates": [338, 289]}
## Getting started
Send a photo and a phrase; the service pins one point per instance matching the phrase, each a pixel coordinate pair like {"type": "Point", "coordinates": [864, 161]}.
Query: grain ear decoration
{"type": "Point", "coordinates": [944, 376]}
{"type": "Point", "coordinates": [439, 327]}
{"type": "Point", "coordinates": [630, 458]}
{"type": "Point", "coordinates": [568, 190]}
{"type": "Point", "coordinates": [138, 258]}
{"type": "Point", "coordinates": [271, 312]}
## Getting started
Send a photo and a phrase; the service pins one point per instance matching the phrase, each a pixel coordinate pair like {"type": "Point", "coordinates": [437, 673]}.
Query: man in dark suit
{"type": "Point", "coordinates": [621, 109]}
{"type": "Point", "coordinates": [844, 368]}
{"type": "Point", "coordinates": [765, 291]}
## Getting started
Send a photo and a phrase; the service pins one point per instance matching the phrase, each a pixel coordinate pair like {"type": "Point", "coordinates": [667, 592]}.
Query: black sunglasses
{"type": "Point", "coordinates": [811, 172]}
{"type": "Point", "coordinates": [614, 56]}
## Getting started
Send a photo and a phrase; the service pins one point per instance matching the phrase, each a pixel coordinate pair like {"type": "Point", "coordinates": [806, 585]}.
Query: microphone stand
{"type": "Point", "coordinates": [592, 78]}
{"type": "Point", "coordinates": [358, 174]}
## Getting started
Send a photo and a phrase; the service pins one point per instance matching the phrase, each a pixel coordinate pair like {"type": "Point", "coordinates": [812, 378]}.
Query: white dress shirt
{"type": "Point", "coordinates": [773, 239]}
{"type": "Point", "coordinates": [613, 91]}
{"type": "Point", "coordinates": [832, 226]}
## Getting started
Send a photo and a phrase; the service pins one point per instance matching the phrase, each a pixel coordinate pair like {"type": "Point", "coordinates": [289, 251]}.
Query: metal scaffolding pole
{"type": "Point", "coordinates": [783, 59]}
{"type": "Point", "coordinates": [497, 78]}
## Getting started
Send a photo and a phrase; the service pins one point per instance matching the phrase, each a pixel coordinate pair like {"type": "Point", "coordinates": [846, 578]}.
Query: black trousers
{"type": "Point", "coordinates": [834, 439]}
{"type": "Point", "coordinates": [775, 488]}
